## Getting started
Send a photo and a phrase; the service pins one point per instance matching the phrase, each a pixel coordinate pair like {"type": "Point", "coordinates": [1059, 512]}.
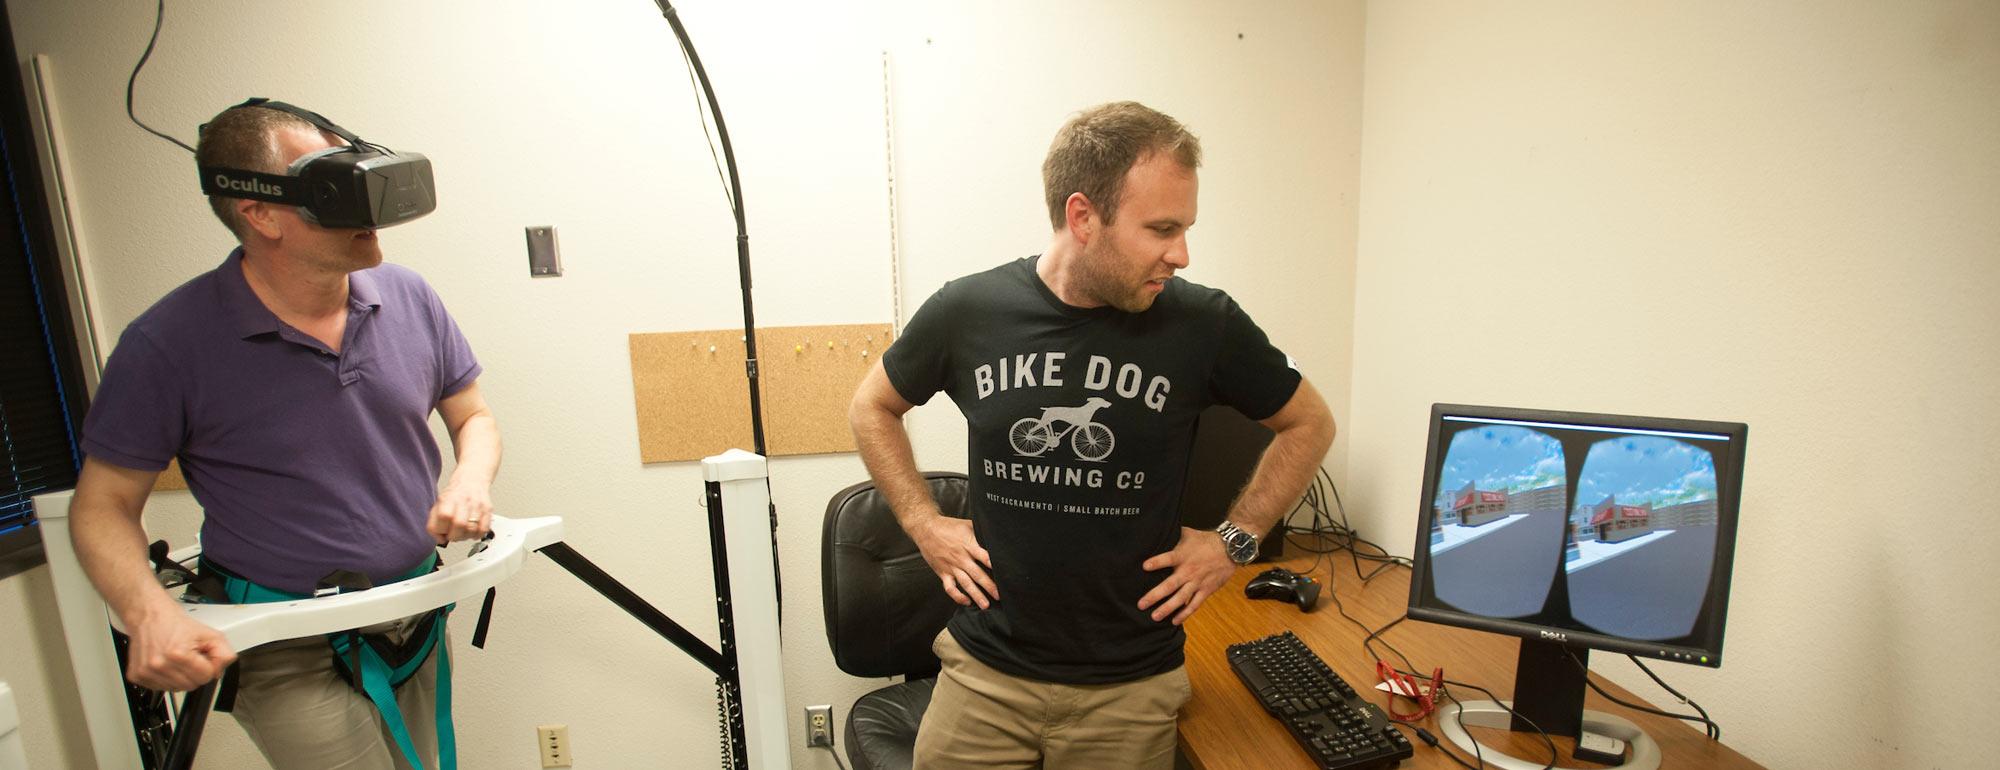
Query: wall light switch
{"type": "Point", "coordinates": [544, 259]}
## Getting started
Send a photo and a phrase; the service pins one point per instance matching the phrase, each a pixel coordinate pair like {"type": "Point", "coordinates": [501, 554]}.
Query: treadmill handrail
{"type": "Point", "coordinates": [247, 626]}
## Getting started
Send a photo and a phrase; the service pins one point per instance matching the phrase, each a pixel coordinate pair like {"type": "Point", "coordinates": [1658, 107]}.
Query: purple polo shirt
{"type": "Point", "coordinates": [304, 461]}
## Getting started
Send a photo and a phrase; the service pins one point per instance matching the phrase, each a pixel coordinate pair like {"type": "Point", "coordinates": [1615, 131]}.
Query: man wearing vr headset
{"type": "Point", "coordinates": [295, 384]}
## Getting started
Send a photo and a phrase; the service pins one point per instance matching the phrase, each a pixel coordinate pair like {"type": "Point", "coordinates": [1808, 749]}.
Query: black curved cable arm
{"type": "Point", "coordinates": [742, 231]}
{"type": "Point", "coordinates": [729, 681]}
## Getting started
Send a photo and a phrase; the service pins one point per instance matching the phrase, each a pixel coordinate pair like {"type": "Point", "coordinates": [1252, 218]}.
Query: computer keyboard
{"type": "Point", "coordinates": [1338, 729]}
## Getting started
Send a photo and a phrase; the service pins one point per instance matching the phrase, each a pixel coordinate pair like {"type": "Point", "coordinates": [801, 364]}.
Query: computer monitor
{"type": "Point", "coordinates": [1575, 532]}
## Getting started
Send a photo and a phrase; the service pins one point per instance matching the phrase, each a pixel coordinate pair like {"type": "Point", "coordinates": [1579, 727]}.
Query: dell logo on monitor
{"type": "Point", "coordinates": [1553, 636]}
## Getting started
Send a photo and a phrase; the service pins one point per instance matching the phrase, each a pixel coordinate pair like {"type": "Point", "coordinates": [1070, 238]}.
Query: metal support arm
{"type": "Point", "coordinates": [630, 602]}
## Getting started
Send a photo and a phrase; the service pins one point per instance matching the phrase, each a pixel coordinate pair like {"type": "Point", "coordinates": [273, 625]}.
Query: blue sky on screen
{"type": "Point", "coordinates": [1500, 458]}
{"type": "Point", "coordinates": [1645, 469]}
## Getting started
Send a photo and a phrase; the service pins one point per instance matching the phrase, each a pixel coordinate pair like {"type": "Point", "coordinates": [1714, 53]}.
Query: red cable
{"type": "Point", "coordinates": [1406, 686]}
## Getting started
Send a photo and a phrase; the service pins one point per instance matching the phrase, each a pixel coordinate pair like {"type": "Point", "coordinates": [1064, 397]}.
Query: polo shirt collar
{"type": "Point", "coordinates": [248, 315]}
{"type": "Point", "coordinates": [361, 291]}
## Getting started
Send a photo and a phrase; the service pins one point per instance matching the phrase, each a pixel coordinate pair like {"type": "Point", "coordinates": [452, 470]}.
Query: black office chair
{"type": "Point", "coordinates": [883, 608]}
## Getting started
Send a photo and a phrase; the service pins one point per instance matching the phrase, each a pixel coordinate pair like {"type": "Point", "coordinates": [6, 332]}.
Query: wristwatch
{"type": "Point", "coordinates": [1241, 545]}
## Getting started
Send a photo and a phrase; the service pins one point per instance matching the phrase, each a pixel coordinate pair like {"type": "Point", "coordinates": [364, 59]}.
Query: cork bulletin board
{"type": "Point", "coordinates": [693, 399]}
{"type": "Point", "coordinates": [171, 478]}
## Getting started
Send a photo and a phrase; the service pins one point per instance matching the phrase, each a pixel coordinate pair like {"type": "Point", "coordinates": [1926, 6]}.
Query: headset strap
{"type": "Point", "coordinates": [308, 116]}
{"type": "Point", "coordinates": [273, 188]}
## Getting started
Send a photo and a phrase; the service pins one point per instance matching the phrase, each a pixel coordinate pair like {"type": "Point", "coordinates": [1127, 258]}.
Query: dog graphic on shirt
{"type": "Point", "coordinates": [1092, 441]}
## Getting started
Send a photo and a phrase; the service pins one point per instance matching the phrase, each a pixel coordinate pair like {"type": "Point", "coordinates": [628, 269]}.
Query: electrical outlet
{"type": "Point", "coordinates": [554, 742]}
{"type": "Point", "coordinates": [819, 726]}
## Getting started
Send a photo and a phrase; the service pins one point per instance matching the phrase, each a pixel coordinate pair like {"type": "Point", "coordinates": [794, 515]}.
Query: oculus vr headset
{"type": "Point", "coordinates": [357, 185]}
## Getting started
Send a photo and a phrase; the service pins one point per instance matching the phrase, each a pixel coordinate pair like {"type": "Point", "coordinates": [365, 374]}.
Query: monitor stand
{"type": "Point", "coordinates": [1644, 753]}
{"type": "Point", "coordinates": [1549, 678]}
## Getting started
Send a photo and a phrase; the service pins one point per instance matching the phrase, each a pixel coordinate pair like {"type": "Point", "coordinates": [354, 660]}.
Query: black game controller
{"type": "Point", "coordinates": [1286, 586]}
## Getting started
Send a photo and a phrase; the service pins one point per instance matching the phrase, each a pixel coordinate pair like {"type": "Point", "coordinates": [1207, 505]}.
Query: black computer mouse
{"type": "Point", "coordinates": [1280, 584]}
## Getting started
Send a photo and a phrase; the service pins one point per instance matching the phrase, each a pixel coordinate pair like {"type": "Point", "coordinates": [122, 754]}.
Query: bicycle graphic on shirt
{"type": "Point", "coordinates": [1089, 439]}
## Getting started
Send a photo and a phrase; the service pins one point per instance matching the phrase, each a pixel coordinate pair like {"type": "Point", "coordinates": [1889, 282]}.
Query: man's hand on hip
{"type": "Point", "coordinates": [463, 511]}
{"type": "Point", "coordinates": [954, 554]}
{"type": "Point", "coordinates": [171, 651]}
{"type": "Point", "coordinates": [1200, 565]}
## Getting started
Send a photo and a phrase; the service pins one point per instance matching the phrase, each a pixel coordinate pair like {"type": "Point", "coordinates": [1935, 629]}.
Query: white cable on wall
{"type": "Point", "coordinates": [889, 160]}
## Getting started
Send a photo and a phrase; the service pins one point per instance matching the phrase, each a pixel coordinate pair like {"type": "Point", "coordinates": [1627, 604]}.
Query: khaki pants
{"type": "Point", "coordinates": [983, 718]}
{"type": "Point", "coordinates": [302, 715]}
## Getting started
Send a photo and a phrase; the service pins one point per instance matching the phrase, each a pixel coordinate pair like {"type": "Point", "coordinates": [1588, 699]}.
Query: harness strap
{"type": "Point", "coordinates": [373, 664]}
{"type": "Point", "coordinates": [447, 737]}
{"type": "Point", "coordinates": [375, 682]}
{"type": "Point", "coordinates": [485, 618]}
{"type": "Point", "coordinates": [225, 690]}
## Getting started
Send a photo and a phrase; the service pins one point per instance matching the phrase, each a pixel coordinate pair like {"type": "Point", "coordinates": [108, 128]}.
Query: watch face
{"type": "Point", "coordinates": [1242, 547]}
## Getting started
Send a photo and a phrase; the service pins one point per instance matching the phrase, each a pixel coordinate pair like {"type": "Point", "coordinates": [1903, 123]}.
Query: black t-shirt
{"type": "Point", "coordinates": [1079, 426]}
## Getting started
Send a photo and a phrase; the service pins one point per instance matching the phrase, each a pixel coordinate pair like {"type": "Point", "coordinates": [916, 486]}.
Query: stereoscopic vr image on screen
{"type": "Point", "coordinates": [1606, 531]}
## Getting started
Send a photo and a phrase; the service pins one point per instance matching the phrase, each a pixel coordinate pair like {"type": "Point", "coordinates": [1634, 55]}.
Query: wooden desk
{"type": "Point", "coordinates": [1223, 728]}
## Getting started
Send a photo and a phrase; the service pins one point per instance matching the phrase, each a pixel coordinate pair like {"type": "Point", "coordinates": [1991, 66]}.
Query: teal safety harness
{"type": "Point", "coordinates": [374, 664]}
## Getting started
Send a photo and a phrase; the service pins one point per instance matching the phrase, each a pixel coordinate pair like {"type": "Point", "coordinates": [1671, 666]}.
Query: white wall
{"type": "Point", "coordinates": [1775, 213]}
{"type": "Point", "coordinates": [582, 118]}
{"type": "Point", "coordinates": [37, 669]}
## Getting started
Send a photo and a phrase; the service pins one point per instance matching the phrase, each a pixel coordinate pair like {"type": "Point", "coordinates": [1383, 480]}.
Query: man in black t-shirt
{"type": "Point", "coordinates": [1081, 372]}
